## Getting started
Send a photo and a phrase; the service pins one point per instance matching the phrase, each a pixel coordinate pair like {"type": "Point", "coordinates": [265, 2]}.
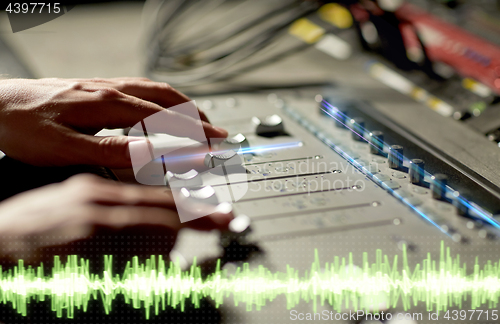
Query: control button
{"type": "Point", "coordinates": [340, 116]}
{"type": "Point", "coordinates": [396, 157]}
{"type": "Point", "coordinates": [414, 201]}
{"type": "Point", "coordinates": [373, 168]}
{"type": "Point", "coordinates": [381, 177]}
{"type": "Point", "coordinates": [205, 195]}
{"type": "Point", "coordinates": [357, 126]}
{"type": "Point", "coordinates": [417, 167]}
{"type": "Point", "coordinates": [207, 105]}
{"type": "Point", "coordinates": [398, 175]}
{"type": "Point", "coordinates": [231, 102]}
{"type": "Point", "coordinates": [376, 142]}
{"type": "Point", "coordinates": [229, 158]}
{"type": "Point", "coordinates": [272, 97]}
{"type": "Point", "coordinates": [401, 193]}
{"type": "Point", "coordinates": [391, 184]}
{"type": "Point", "coordinates": [189, 179]}
{"type": "Point", "coordinates": [461, 204]}
{"type": "Point", "coordinates": [239, 224]}
{"type": "Point", "coordinates": [271, 125]}
{"type": "Point", "coordinates": [438, 186]}
{"type": "Point", "coordinates": [235, 143]}
{"type": "Point", "coordinates": [420, 191]}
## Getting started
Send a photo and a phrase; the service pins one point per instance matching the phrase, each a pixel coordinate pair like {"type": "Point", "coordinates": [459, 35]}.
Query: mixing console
{"type": "Point", "coordinates": [313, 171]}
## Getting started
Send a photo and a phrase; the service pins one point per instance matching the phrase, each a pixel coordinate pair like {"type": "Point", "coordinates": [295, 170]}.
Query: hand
{"type": "Point", "coordinates": [50, 122]}
{"type": "Point", "coordinates": [90, 216]}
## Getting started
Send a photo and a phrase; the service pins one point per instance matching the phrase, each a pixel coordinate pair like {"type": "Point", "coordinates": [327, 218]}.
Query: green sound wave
{"type": "Point", "coordinates": [158, 284]}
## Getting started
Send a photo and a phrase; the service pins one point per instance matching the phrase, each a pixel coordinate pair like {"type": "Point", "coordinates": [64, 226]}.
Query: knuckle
{"type": "Point", "coordinates": [108, 94]}
{"type": "Point", "coordinates": [164, 86]}
{"type": "Point", "coordinates": [76, 86]}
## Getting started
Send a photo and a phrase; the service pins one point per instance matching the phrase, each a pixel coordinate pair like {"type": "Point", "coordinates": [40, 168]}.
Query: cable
{"type": "Point", "coordinates": [193, 42]}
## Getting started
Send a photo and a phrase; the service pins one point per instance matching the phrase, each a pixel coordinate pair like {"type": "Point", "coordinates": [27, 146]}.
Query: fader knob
{"type": "Point", "coordinates": [205, 195]}
{"type": "Point", "coordinates": [396, 157]}
{"type": "Point", "coordinates": [376, 142]}
{"type": "Point", "coordinates": [357, 126]}
{"type": "Point", "coordinates": [270, 125]}
{"type": "Point", "coordinates": [462, 205]}
{"type": "Point", "coordinates": [438, 186]}
{"type": "Point", "coordinates": [417, 170]}
{"type": "Point", "coordinates": [229, 158]}
{"type": "Point", "coordinates": [235, 143]}
{"type": "Point", "coordinates": [189, 179]}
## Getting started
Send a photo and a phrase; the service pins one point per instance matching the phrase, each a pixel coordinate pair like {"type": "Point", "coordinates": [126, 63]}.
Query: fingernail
{"type": "Point", "coordinates": [139, 153]}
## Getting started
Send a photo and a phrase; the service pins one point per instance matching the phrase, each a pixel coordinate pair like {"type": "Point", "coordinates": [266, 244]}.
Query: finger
{"type": "Point", "coordinates": [107, 151]}
{"type": "Point", "coordinates": [124, 152]}
{"type": "Point", "coordinates": [213, 221]}
{"type": "Point", "coordinates": [115, 193]}
{"type": "Point", "coordinates": [118, 217]}
{"type": "Point", "coordinates": [112, 109]}
{"type": "Point", "coordinates": [158, 92]}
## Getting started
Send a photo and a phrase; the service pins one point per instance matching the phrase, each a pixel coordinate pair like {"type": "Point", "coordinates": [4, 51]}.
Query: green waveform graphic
{"type": "Point", "coordinates": [158, 284]}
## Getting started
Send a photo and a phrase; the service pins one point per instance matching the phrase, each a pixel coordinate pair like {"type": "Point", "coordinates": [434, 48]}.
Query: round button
{"type": "Point", "coordinates": [438, 186]}
{"type": "Point", "coordinates": [357, 126]}
{"type": "Point", "coordinates": [340, 116]}
{"type": "Point", "coordinates": [205, 195]}
{"type": "Point", "coordinates": [396, 157]}
{"type": "Point", "coordinates": [417, 170]}
{"type": "Point", "coordinates": [228, 158]}
{"type": "Point", "coordinates": [188, 179]}
{"type": "Point", "coordinates": [271, 125]}
{"type": "Point", "coordinates": [235, 143]}
{"type": "Point", "coordinates": [376, 142]}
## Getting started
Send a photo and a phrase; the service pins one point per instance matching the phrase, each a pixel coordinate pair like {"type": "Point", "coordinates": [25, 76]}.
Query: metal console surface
{"type": "Point", "coordinates": [318, 186]}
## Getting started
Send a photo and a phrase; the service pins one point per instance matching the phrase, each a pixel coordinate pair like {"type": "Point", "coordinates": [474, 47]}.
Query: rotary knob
{"type": "Point", "coordinates": [271, 125]}
{"type": "Point", "coordinates": [227, 159]}
{"type": "Point", "coordinates": [396, 157]}
{"type": "Point", "coordinates": [205, 195]}
{"type": "Point", "coordinates": [357, 126]}
{"type": "Point", "coordinates": [417, 170]}
{"type": "Point", "coordinates": [235, 143]}
{"type": "Point", "coordinates": [462, 204]}
{"type": "Point", "coordinates": [340, 116]}
{"type": "Point", "coordinates": [189, 179]}
{"type": "Point", "coordinates": [376, 142]}
{"type": "Point", "coordinates": [438, 186]}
